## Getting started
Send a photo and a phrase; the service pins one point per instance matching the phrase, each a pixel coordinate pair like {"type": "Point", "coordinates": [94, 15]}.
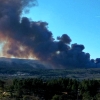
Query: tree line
{"type": "Point", "coordinates": [53, 89]}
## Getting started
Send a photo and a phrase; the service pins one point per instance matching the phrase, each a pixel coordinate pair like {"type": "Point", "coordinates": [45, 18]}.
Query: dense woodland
{"type": "Point", "coordinates": [49, 89]}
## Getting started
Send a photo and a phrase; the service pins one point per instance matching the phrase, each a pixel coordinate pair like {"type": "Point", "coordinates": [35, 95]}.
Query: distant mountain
{"type": "Point", "coordinates": [14, 64]}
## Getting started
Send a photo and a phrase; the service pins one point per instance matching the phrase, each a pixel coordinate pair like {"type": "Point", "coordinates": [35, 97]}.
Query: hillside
{"type": "Point", "coordinates": [34, 68]}
{"type": "Point", "coordinates": [8, 65]}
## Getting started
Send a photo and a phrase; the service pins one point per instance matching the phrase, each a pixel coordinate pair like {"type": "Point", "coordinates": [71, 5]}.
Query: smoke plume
{"type": "Point", "coordinates": [24, 38]}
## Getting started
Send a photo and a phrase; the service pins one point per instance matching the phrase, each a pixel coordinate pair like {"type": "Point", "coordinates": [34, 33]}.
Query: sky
{"type": "Point", "coordinates": [80, 19]}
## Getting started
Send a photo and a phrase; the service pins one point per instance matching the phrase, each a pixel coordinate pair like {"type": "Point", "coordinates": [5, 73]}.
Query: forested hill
{"type": "Point", "coordinates": [7, 64]}
{"type": "Point", "coordinates": [25, 67]}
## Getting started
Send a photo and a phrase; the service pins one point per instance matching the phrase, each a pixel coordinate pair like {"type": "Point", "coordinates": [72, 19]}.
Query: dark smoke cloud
{"type": "Point", "coordinates": [24, 38]}
{"type": "Point", "coordinates": [64, 38]}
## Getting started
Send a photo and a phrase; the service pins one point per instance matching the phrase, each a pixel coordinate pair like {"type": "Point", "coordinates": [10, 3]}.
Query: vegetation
{"type": "Point", "coordinates": [53, 89]}
{"type": "Point", "coordinates": [90, 73]}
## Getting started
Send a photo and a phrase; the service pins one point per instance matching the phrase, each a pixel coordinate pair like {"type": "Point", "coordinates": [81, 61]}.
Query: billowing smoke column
{"type": "Point", "coordinates": [24, 38]}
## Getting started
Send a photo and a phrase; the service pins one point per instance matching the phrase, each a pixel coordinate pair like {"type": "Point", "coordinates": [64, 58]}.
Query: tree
{"type": "Point", "coordinates": [86, 96]}
{"type": "Point", "coordinates": [55, 97]}
{"type": "Point", "coordinates": [97, 97]}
